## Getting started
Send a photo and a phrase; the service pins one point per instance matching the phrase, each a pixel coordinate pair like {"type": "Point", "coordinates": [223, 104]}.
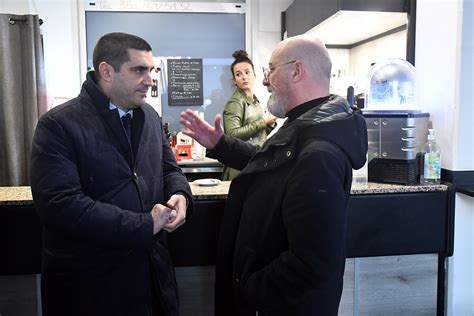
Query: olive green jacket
{"type": "Point", "coordinates": [243, 119]}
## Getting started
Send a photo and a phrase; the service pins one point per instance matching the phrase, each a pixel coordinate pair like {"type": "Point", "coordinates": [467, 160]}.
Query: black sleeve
{"type": "Point", "coordinates": [233, 152]}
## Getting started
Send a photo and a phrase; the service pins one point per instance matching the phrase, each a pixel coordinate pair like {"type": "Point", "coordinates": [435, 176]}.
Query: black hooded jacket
{"type": "Point", "coordinates": [282, 244]}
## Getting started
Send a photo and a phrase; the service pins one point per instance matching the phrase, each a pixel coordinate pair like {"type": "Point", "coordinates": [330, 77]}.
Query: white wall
{"type": "Point", "coordinates": [18, 7]}
{"type": "Point", "coordinates": [438, 61]}
{"type": "Point", "coordinates": [340, 74]}
{"type": "Point", "coordinates": [444, 34]}
{"type": "Point", "coordinates": [465, 152]}
{"type": "Point", "coordinates": [390, 46]}
{"type": "Point", "coordinates": [61, 50]}
{"type": "Point", "coordinates": [60, 36]}
{"type": "Point", "coordinates": [351, 66]}
{"type": "Point", "coordinates": [265, 34]}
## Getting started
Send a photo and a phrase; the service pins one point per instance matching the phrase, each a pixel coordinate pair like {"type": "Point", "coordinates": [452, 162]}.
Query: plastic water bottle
{"type": "Point", "coordinates": [431, 161]}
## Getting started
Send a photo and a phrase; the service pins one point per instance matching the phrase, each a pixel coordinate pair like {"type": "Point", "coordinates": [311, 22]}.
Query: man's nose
{"type": "Point", "coordinates": [147, 80]}
{"type": "Point", "coordinates": [266, 83]}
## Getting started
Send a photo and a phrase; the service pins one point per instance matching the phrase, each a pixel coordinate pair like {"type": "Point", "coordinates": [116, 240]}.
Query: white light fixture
{"type": "Point", "coordinates": [350, 27]}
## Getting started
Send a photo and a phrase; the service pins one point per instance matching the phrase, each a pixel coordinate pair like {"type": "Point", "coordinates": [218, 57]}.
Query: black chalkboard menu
{"type": "Point", "coordinates": [185, 82]}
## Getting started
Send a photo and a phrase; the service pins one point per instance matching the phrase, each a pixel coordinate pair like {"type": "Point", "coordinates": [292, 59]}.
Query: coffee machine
{"type": "Point", "coordinates": [396, 128]}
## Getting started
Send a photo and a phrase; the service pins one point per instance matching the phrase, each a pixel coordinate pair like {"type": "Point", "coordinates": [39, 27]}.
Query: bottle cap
{"type": "Point", "coordinates": [431, 134]}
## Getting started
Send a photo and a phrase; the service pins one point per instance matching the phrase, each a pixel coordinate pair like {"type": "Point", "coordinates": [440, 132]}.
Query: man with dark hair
{"type": "Point", "coordinates": [106, 186]}
{"type": "Point", "coordinates": [113, 49]}
{"type": "Point", "coordinates": [282, 244]}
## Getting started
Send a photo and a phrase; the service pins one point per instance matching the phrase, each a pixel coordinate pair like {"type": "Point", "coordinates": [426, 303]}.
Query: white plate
{"type": "Point", "coordinates": [207, 182]}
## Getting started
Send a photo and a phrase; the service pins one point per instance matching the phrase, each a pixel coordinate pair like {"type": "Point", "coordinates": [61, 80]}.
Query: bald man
{"type": "Point", "coordinates": [283, 237]}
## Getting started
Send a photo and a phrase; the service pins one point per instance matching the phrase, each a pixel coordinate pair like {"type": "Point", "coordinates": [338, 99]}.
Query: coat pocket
{"type": "Point", "coordinates": [245, 266]}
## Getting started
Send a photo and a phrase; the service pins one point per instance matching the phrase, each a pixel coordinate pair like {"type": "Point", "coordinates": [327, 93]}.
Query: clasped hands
{"type": "Point", "coordinates": [170, 216]}
{"type": "Point", "coordinates": [173, 215]}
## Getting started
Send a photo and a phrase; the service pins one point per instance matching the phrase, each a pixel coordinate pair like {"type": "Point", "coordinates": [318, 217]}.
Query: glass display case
{"type": "Point", "coordinates": [391, 85]}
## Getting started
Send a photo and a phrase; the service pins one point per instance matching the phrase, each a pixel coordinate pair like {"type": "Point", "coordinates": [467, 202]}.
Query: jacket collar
{"type": "Point", "coordinates": [92, 91]}
{"type": "Point", "coordinates": [303, 108]}
{"type": "Point", "coordinates": [242, 95]}
{"type": "Point", "coordinates": [91, 87]}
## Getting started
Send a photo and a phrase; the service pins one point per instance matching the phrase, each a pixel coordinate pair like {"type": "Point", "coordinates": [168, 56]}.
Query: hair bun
{"type": "Point", "coordinates": [240, 54]}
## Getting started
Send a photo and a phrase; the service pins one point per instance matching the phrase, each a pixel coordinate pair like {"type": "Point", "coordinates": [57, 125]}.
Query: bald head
{"type": "Point", "coordinates": [300, 71]}
{"type": "Point", "coordinates": [312, 52]}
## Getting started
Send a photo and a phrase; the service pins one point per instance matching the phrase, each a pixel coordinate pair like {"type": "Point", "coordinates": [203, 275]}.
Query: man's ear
{"type": "Point", "coordinates": [298, 72]}
{"type": "Point", "coordinates": [105, 71]}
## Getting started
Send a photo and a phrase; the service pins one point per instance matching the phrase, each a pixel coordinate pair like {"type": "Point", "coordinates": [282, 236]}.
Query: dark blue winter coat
{"type": "Point", "coordinates": [94, 199]}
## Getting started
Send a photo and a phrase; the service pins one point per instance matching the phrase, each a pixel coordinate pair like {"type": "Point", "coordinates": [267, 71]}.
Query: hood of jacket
{"type": "Point", "coordinates": [336, 121]}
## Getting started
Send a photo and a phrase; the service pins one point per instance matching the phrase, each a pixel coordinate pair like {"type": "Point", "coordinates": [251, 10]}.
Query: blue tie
{"type": "Point", "coordinates": [127, 124]}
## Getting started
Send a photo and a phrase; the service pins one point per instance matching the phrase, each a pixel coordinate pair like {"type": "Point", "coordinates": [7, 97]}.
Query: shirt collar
{"type": "Point", "coordinates": [120, 111]}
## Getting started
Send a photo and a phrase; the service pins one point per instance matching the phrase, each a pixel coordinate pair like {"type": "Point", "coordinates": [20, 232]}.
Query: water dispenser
{"type": "Point", "coordinates": [396, 128]}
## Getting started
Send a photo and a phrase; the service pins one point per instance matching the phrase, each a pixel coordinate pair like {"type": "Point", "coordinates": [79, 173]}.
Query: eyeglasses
{"type": "Point", "coordinates": [267, 71]}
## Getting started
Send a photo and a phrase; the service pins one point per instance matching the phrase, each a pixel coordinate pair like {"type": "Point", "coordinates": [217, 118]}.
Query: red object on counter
{"type": "Point", "coordinates": [183, 152]}
{"type": "Point", "coordinates": [173, 140]}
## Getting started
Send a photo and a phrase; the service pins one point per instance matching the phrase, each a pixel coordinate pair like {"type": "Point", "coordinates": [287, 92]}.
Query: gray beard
{"type": "Point", "coordinates": [274, 106]}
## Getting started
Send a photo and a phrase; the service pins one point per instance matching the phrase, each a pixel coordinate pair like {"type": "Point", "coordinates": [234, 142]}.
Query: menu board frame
{"type": "Point", "coordinates": [185, 81]}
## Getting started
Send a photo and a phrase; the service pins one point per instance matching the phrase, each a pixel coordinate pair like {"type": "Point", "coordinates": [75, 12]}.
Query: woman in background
{"type": "Point", "coordinates": [243, 115]}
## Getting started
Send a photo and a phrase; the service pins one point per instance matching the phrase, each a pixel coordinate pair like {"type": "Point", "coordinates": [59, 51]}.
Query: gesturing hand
{"type": "Point", "coordinates": [200, 130]}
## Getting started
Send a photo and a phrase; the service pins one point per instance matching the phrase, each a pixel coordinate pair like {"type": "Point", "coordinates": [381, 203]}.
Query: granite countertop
{"type": "Point", "coordinates": [22, 195]}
